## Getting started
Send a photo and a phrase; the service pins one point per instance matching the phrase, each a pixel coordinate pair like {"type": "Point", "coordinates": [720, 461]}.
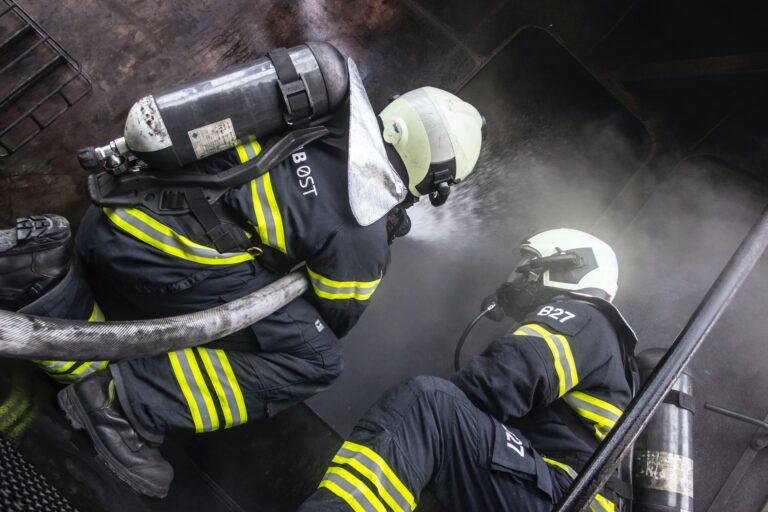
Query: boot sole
{"type": "Point", "coordinates": [77, 417]}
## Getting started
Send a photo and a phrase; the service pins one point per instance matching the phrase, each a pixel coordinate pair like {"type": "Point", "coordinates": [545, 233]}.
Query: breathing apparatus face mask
{"type": "Point", "coordinates": [524, 288]}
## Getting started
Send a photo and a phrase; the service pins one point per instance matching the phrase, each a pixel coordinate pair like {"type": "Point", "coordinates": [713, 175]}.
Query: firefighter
{"type": "Point", "coordinates": [305, 212]}
{"type": "Point", "coordinates": [511, 429]}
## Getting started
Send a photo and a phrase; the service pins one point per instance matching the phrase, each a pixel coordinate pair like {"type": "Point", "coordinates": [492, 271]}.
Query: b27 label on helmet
{"type": "Point", "coordinates": [559, 314]}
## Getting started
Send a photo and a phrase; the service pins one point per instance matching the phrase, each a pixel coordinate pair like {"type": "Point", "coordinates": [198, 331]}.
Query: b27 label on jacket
{"type": "Point", "coordinates": [559, 314]}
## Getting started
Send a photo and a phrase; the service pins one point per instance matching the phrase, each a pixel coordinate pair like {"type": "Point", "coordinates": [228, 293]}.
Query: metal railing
{"type": "Point", "coordinates": [604, 461]}
{"type": "Point", "coordinates": [41, 74]}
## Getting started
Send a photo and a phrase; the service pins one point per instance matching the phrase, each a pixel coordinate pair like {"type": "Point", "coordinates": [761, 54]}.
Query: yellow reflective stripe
{"type": "Point", "coordinates": [278, 220]}
{"type": "Point", "coordinates": [569, 357]}
{"type": "Point", "coordinates": [233, 384]}
{"type": "Point", "coordinates": [603, 414]}
{"type": "Point", "coordinates": [344, 495]}
{"type": "Point", "coordinates": [382, 464]}
{"type": "Point", "coordinates": [370, 475]}
{"type": "Point", "coordinates": [336, 290]}
{"type": "Point", "coordinates": [258, 212]}
{"type": "Point", "coordinates": [206, 394]}
{"type": "Point", "coordinates": [183, 247]}
{"type": "Point", "coordinates": [96, 314]}
{"type": "Point", "coordinates": [14, 411]}
{"type": "Point", "coordinates": [241, 154]}
{"type": "Point", "coordinates": [607, 504]}
{"type": "Point", "coordinates": [602, 404]}
{"type": "Point", "coordinates": [61, 369]}
{"type": "Point", "coordinates": [248, 150]}
{"type": "Point", "coordinates": [599, 500]}
{"type": "Point", "coordinates": [565, 366]}
{"type": "Point", "coordinates": [217, 387]}
{"type": "Point", "coordinates": [80, 369]}
{"type": "Point", "coordinates": [255, 145]}
{"type": "Point", "coordinates": [360, 486]}
{"type": "Point", "coordinates": [15, 433]}
{"type": "Point", "coordinates": [555, 355]}
{"type": "Point", "coordinates": [568, 469]}
{"type": "Point", "coordinates": [186, 391]}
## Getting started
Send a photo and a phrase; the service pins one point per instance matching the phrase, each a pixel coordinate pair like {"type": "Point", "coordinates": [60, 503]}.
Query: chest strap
{"type": "Point", "coordinates": [225, 236]}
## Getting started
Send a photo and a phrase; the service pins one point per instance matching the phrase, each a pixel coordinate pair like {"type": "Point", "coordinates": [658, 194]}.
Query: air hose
{"type": "Point", "coordinates": [33, 337]}
{"type": "Point", "coordinates": [471, 325]}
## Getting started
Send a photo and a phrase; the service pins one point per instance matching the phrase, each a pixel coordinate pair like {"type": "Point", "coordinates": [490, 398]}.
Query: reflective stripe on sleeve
{"type": "Point", "coordinates": [225, 384]}
{"type": "Point", "coordinates": [248, 150]}
{"type": "Point", "coordinates": [374, 468]}
{"type": "Point", "coordinates": [601, 413]}
{"type": "Point", "coordinates": [337, 290]}
{"type": "Point", "coordinates": [354, 492]}
{"type": "Point", "coordinates": [600, 503]}
{"type": "Point", "coordinates": [269, 221]}
{"type": "Point", "coordinates": [155, 234]}
{"type": "Point", "coordinates": [565, 367]}
{"type": "Point", "coordinates": [194, 389]}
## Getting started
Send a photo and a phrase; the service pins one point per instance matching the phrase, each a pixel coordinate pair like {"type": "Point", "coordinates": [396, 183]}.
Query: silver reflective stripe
{"type": "Point", "coordinates": [570, 378]}
{"type": "Point", "coordinates": [353, 492]}
{"type": "Point", "coordinates": [226, 387]}
{"type": "Point", "coordinates": [86, 369]}
{"type": "Point", "coordinates": [388, 492]}
{"type": "Point", "coordinates": [195, 390]}
{"type": "Point", "coordinates": [269, 218]}
{"type": "Point", "coordinates": [148, 230]}
{"type": "Point", "coordinates": [248, 147]}
{"type": "Point", "coordinates": [607, 416]}
{"type": "Point", "coordinates": [51, 366]}
{"type": "Point", "coordinates": [353, 290]}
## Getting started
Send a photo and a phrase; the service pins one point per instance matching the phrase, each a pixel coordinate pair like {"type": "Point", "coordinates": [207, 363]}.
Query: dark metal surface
{"type": "Point", "coordinates": [758, 442]}
{"type": "Point", "coordinates": [34, 83]}
{"type": "Point", "coordinates": [695, 68]}
{"type": "Point", "coordinates": [735, 415]}
{"type": "Point", "coordinates": [640, 410]}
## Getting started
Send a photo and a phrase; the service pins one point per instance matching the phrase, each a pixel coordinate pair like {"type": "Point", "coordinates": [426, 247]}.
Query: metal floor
{"type": "Point", "coordinates": [669, 170]}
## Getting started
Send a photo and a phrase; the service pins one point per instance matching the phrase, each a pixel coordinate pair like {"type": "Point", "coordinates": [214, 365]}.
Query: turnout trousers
{"type": "Point", "coordinates": [252, 374]}
{"type": "Point", "coordinates": [426, 432]}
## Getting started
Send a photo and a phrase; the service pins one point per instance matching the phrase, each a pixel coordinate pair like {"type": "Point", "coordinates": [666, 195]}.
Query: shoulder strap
{"type": "Point", "coordinates": [224, 236]}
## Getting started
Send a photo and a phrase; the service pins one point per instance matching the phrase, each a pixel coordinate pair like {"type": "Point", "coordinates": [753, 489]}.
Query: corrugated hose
{"type": "Point", "coordinates": [33, 337]}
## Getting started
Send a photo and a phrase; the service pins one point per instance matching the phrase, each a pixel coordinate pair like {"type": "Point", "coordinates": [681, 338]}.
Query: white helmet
{"type": "Point", "coordinates": [571, 260]}
{"type": "Point", "coordinates": [438, 137]}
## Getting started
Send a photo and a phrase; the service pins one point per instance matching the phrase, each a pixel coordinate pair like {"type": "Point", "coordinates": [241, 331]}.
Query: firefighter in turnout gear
{"type": "Point", "coordinates": [305, 212]}
{"type": "Point", "coordinates": [512, 428]}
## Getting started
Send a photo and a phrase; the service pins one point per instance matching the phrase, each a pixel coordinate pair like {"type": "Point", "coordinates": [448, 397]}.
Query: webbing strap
{"type": "Point", "coordinates": [225, 238]}
{"type": "Point", "coordinates": [680, 399]}
{"type": "Point", "coordinates": [298, 103]}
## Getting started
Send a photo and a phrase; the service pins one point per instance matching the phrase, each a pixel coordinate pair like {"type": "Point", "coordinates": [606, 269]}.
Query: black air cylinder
{"type": "Point", "coordinates": [663, 454]}
{"type": "Point", "coordinates": [179, 126]}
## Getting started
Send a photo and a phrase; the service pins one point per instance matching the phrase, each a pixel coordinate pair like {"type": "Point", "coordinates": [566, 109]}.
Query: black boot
{"type": "Point", "coordinates": [34, 256]}
{"type": "Point", "coordinates": [92, 404]}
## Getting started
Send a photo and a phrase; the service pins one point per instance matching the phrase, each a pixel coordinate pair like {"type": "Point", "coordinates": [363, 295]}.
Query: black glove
{"type": "Point", "coordinates": [398, 224]}
{"type": "Point", "coordinates": [516, 298]}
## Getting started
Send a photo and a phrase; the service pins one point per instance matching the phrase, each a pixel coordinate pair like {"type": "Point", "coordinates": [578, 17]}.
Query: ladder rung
{"type": "Point", "coordinates": [31, 81]}
{"type": "Point", "coordinates": [22, 55]}
{"type": "Point", "coordinates": [23, 31]}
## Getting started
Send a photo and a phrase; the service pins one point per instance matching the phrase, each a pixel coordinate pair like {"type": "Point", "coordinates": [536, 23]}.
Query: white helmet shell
{"type": "Point", "coordinates": [601, 280]}
{"type": "Point", "coordinates": [429, 126]}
